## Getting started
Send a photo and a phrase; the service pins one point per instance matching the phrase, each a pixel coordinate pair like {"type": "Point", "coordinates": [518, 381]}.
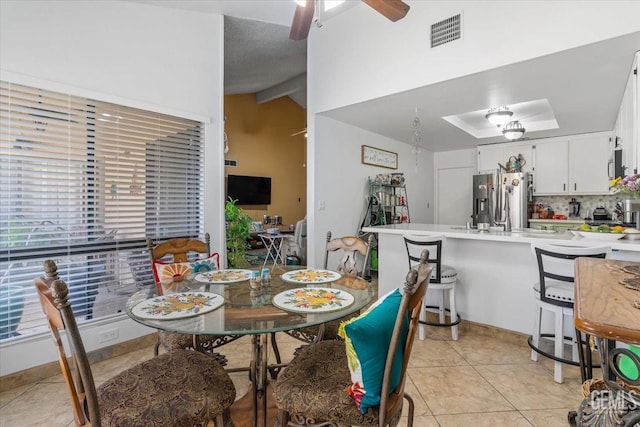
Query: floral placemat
{"type": "Point", "coordinates": [313, 300]}
{"type": "Point", "coordinates": [177, 306]}
{"type": "Point", "coordinates": [306, 277]}
{"type": "Point", "coordinates": [223, 276]}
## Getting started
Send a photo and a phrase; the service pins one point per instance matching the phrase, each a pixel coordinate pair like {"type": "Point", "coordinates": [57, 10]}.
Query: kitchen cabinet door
{"type": "Point", "coordinates": [489, 156]}
{"type": "Point", "coordinates": [590, 164]}
{"type": "Point", "coordinates": [550, 174]}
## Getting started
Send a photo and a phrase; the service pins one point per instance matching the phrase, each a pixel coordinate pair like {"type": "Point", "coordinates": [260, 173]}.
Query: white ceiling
{"type": "Point", "coordinates": [583, 86]}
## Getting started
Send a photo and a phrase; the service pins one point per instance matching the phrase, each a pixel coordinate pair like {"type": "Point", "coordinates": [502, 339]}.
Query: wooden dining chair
{"type": "Point", "coordinates": [179, 388]}
{"type": "Point", "coordinates": [317, 387]}
{"type": "Point", "coordinates": [352, 254]}
{"type": "Point", "coordinates": [170, 261]}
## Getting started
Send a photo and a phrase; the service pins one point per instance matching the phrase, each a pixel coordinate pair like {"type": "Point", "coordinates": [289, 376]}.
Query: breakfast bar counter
{"type": "Point", "coordinates": [496, 269]}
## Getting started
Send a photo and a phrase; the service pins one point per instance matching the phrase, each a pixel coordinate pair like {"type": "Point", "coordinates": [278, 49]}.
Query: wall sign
{"type": "Point", "coordinates": [378, 157]}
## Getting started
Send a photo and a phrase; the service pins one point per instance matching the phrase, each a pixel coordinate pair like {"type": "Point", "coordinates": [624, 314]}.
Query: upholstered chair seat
{"type": "Point", "coordinates": [145, 395]}
{"type": "Point", "coordinates": [315, 384]}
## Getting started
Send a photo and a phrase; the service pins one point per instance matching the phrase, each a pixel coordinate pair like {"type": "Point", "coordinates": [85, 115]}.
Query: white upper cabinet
{"type": "Point", "coordinates": [551, 172]}
{"type": "Point", "coordinates": [489, 156]}
{"type": "Point", "coordinates": [627, 127]}
{"type": "Point", "coordinates": [590, 164]}
{"type": "Point", "coordinates": [580, 164]}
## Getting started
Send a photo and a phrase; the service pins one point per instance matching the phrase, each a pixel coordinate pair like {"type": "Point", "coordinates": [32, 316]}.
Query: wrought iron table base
{"type": "Point", "coordinates": [616, 406]}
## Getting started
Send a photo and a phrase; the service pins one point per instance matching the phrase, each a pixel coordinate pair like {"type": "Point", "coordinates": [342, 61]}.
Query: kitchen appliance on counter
{"type": "Point", "coordinates": [601, 214]}
{"type": "Point", "coordinates": [574, 208]}
{"type": "Point", "coordinates": [502, 199]}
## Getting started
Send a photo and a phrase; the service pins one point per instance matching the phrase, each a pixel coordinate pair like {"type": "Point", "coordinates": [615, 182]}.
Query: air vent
{"type": "Point", "coordinates": [231, 163]}
{"type": "Point", "coordinates": [446, 31]}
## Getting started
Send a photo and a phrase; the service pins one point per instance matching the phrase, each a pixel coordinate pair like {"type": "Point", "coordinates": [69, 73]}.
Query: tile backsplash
{"type": "Point", "coordinates": [560, 204]}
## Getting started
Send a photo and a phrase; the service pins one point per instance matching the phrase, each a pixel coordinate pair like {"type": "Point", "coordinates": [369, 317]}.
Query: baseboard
{"type": "Point", "coordinates": [488, 330]}
{"type": "Point", "coordinates": [38, 373]}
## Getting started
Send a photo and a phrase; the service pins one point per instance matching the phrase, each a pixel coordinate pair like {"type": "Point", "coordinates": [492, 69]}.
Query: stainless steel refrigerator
{"type": "Point", "coordinates": [502, 199]}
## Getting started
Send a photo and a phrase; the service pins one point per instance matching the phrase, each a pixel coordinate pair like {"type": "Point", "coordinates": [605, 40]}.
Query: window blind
{"type": "Point", "coordinates": [84, 182]}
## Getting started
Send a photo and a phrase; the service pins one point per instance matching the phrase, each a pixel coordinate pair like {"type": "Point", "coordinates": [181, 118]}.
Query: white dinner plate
{"type": "Point", "coordinates": [313, 300]}
{"type": "Point", "coordinates": [310, 276]}
{"type": "Point", "coordinates": [600, 236]}
{"type": "Point", "coordinates": [177, 306]}
{"type": "Point", "coordinates": [223, 276]}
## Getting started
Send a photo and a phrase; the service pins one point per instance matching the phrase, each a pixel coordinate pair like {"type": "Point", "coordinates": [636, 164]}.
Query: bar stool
{"type": "Point", "coordinates": [444, 279]}
{"type": "Point", "coordinates": [554, 292]}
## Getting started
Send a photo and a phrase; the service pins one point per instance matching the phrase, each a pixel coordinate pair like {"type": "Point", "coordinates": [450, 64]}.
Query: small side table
{"type": "Point", "coordinates": [273, 243]}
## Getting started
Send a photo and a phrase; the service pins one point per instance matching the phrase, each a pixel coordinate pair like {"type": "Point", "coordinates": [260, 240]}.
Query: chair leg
{"type": "Point", "coordinates": [574, 338]}
{"type": "Point", "coordinates": [423, 318]}
{"type": "Point", "coordinates": [411, 410]}
{"type": "Point", "coordinates": [535, 336]}
{"type": "Point", "coordinates": [453, 312]}
{"type": "Point", "coordinates": [441, 310]}
{"type": "Point", "coordinates": [282, 418]}
{"type": "Point", "coordinates": [224, 419]}
{"type": "Point", "coordinates": [559, 345]}
{"type": "Point", "coordinates": [156, 347]}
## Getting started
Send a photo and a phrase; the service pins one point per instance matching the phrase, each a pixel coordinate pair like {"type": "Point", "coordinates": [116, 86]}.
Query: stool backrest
{"type": "Point", "coordinates": [556, 262]}
{"type": "Point", "coordinates": [416, 244]}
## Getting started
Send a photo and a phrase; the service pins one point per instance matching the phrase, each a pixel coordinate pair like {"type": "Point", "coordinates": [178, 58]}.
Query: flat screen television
{"type": "Point", "coordinates": [249, 190]}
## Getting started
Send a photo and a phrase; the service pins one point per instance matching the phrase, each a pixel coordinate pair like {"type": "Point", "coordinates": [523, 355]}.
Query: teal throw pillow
{"type": "Point", "coordinates": [367, 338]}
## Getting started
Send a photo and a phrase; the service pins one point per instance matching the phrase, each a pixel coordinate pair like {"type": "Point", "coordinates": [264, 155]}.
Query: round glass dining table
{"type": "Point", "coordinates": [248, 311]}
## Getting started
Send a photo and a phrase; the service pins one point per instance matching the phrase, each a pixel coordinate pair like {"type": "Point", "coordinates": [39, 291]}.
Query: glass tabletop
{"type": "Point", "coordinates": [251, 311]}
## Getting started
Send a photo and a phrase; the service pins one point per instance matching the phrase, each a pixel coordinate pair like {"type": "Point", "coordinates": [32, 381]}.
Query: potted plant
{"type": "Point", "coordinates": [238, 225]}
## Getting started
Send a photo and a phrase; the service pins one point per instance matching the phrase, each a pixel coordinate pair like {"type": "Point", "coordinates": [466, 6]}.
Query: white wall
{"type": "Point", "coordinates": [360, 55]}
{"type": "Point", "coordinates": [455, 192]}
{"type": "Point", "coordinates": [149, 57]}
{"type": "Point", "coordinates": [341, 180]}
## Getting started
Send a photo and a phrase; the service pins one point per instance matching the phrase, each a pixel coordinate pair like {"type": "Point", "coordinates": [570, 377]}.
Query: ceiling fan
{"type": "Point", "coordinates": [393, 10]}
{"type": "Point", "coordinates": [300, 131]}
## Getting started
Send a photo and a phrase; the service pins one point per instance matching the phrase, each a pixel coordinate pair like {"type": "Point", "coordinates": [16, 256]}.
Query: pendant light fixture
{"type": "Point", "coordinates": [416, 137]}
{"type": "Point", "coordinates": [513, 130]}
{"type": "Point", "coordinates": [499, 115]}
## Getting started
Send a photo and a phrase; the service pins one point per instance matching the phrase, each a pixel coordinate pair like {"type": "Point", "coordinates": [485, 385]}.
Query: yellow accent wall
{"type": "Point", "coordinates": [259, 140]}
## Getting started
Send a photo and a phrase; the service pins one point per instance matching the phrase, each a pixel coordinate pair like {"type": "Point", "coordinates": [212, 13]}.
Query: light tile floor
{"type": "Point", "coordinates": [480, 380]}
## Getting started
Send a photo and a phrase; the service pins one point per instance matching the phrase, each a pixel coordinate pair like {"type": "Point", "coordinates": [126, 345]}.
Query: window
{"type": "Point", "coordinates": [84, 182]}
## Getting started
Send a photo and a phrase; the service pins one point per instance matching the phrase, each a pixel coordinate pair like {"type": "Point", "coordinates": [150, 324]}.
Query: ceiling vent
{"type": "Point", "coordinates": [446, 31]}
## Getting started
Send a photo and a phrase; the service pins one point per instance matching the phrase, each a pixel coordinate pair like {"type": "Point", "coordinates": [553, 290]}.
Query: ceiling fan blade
{"type": "Point", "coordinates": [299, 132]}
{"type": "Point", "coordinates": [302, 19]}
{"type": "Point", "coordinates": [393, 10]}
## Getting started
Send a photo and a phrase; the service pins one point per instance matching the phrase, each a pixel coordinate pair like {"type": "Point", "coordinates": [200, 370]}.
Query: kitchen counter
{"type": "Point", "coordinates": [496, 269]}
{"type": "Point", "coordinates": [560, 225]}
{"type": "Point", "coordinates": [515, 236]}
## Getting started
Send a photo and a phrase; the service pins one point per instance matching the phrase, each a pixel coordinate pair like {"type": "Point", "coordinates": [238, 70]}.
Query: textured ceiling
{"type": "Point", "coordinates": [259, 55]}
{"type": "Point", "coordinates": [583, 86]}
